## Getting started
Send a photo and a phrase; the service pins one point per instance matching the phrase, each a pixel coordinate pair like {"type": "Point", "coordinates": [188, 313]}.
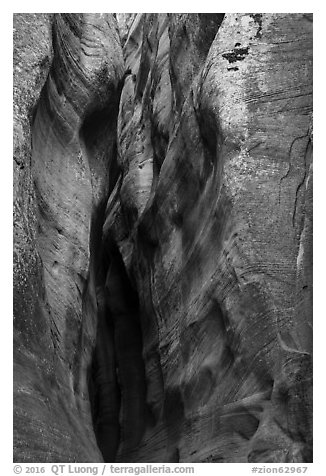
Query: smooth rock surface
{"type": "Point", "coordinates": [171, 187]}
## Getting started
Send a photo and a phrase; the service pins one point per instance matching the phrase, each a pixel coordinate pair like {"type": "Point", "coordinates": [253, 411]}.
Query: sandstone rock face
{"type": "Point", "coordinates": [70, 164]}
{"type": "Point", "coordinates": [164, 238]}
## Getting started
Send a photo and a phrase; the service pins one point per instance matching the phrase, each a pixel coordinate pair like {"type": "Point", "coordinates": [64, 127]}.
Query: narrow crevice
{"type": "Point", "coordinates": [117, 385]}
{"type": "Point", "coordinates": [103, 385]}
{"type": "Point", "coordinates": [98, 138]}
{"type": "Point", "coordinates": [210, 136]}
{"type": "Point", "coordinates": [123, 302]}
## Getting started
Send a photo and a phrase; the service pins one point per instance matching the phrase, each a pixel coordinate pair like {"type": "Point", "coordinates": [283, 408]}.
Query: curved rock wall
{"type": "Point", "coordinates": [173, 183]}
{"type": "Point", "coordinates": [71, 163]}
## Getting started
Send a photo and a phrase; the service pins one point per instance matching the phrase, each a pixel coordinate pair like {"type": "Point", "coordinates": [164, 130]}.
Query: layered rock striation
{"type": "Point", "coordinates": [163, 246]}
{"type": "Point", "coordinates": [70, 147]}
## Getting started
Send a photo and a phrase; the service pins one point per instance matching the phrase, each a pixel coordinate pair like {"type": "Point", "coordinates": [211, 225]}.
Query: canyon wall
{"type": "Point", "coordinates": [163, 237]}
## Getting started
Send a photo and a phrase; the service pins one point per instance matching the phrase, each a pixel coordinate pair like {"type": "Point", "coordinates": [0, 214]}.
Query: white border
{"type": "Point", "coordinates": [318, 9]}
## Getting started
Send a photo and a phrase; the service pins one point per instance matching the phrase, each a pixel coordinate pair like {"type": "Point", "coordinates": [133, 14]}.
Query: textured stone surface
{"type": "Point", "coordinates": [173, 292]}
{"type": "Point", "coordinates": [214, 138]}
{"type": "Point", "coordinates": [69, 171]}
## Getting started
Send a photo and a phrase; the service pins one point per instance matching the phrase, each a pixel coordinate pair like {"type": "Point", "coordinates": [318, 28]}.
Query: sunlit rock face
{"type": "Point", "coordinates": [167, 202]}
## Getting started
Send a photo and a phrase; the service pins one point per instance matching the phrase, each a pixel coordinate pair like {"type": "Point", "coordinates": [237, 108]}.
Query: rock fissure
{"type": "Point", "coordinates": [302, 181]}
{"type": "Point", "coordinates": [163, 238]}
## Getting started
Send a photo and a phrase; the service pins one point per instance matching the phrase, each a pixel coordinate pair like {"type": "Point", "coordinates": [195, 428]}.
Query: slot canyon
{"type": "Point", "coordinates": [162, 192]}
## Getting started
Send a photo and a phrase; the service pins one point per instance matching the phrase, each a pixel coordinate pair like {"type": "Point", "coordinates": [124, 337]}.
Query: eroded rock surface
{"type": "Point", "coordinates": [69, 167]}
{"type": "Point", "coordinates": [165, 206]}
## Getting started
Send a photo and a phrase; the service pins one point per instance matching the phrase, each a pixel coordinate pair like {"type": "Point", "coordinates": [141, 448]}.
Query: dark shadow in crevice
{"type": "Point", "coordinates": [117, 384]}
{"type": "Point", "coordinates": [98, 139]}
{"type": "Point", "coordinates": [122, 299]}
{"type": "Point", "coordinates": [103, 384]}
{"type": "Point", "coordinates": [104, 391]}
